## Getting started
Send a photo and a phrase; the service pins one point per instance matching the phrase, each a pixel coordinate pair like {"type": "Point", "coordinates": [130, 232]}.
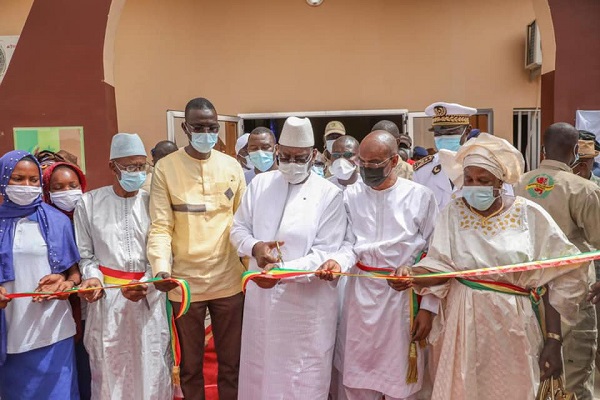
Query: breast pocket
{"type": "Point", "coordinates": [224, 194]}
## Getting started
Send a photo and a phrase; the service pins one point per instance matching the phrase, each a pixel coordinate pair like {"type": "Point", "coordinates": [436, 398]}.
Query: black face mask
{"type": "Point", "coordinates": [373, 177]}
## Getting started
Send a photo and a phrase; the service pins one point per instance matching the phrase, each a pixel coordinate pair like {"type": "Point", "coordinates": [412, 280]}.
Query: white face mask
{"type": "Point", "coordinates": [249, 164]}
{"type": "Point", "coordinates": [342, 169]}
{"type": "Point", "coordinates": [294, 173]}
{"type": "Point", "coordinates": [23, 195]}
{"type": "Point", "coordinates": [329, 145]}
{"type": "Point", "coordinates": [66, 200]}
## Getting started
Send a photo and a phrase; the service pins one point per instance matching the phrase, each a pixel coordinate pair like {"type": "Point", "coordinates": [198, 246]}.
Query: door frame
{"type": "Point", "coordinates": [172, 114]}
{"type": "Point", "coordinates": [338, 113]}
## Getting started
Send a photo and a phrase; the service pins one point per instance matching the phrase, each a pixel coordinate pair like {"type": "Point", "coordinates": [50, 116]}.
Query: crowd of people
{"type": "Point", "coordinates": [380, 210]}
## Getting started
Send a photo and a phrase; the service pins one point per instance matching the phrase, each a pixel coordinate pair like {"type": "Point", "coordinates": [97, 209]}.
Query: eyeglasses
{"type": "Point", "coordinates": [369, 164]}
{"type": "Point", "coordinates": [202, 128]}
{"type": "Point", "coordinates": [296, 160]}
{"type": "Point", "coordinates": [454, 130]}
{"type": "Point", "coordinates": [347, 155]}
{"type": "Point", "coordinates": [133, 167]}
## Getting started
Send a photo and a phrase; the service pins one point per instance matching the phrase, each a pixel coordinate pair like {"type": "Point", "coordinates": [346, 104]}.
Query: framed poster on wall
{"type": "Point", "coordinates": [68, 138]}
{"type": "Point", "coordinates": [7, 48]}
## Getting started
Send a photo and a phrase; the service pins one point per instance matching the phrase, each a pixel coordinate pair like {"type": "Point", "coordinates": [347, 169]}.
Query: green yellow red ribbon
{"type": "Point", "coordinates": [279, 273]}
{"type": "Point", "coordinates": [121, 283]}
{"type": "Point", "coordinates": [185, 305]}
{"type": "Point", "coordinates": [181, 283]}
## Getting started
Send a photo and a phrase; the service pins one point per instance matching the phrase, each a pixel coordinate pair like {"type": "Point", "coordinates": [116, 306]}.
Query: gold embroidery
{"type": "Point", "coordinates": [490, 227]}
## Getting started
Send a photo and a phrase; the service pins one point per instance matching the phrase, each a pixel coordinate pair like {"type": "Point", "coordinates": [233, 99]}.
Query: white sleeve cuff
{"type": "Point", "coordinates": [430, 303]}
{"type": "Point", "coordinates": [94, 273]}
{"type": "Point", "coordinates": [247, 246]}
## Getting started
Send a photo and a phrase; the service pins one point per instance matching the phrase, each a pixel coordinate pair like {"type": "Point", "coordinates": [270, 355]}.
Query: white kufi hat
{"type": "Point", "coordinates": [125, 145]}
{"type": "Point", "coordinates": [241, 142]}
{"type": "Point", "coordinates": [297, 132]}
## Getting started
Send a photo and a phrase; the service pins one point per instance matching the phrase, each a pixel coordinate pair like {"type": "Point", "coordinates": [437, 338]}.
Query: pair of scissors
{"type": "Point", "coordinates": [280, 255]}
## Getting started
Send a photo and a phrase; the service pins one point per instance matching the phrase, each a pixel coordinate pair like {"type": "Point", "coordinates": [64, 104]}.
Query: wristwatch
{"type": "Point", "coordinates": [554, 336]}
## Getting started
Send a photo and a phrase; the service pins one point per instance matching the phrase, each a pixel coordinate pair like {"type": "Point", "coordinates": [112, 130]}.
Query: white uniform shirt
{"type": "Point", "coordinates": [431, 175]}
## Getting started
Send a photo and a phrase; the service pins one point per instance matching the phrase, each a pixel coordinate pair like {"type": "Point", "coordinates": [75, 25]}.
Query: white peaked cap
{"type": "Point", "coordinates": [297, 132]}
{"type": "Point", "coordinates": [241, 142]}
{"type": "Point", "coordinates": [125, 145]}
{"type": "Point", "coordinates": [449, 113]}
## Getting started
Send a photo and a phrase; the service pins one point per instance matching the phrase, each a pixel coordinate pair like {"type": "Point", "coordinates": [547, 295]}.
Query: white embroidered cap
{"type": "Point", "coordinates": [241, 142]}
{"type": "Point", "coordinates": [125, 145]}
{"type": "Point", "coordinates": [297, 132]}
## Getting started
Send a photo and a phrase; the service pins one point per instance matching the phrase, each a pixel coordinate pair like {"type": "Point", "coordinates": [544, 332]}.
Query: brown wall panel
{"type": "Point", "coordinates": [56, 78]}
{"type": "Point", "coordinates": [577, 79]}
{"type": "Point", "coordinates": [547, 113]}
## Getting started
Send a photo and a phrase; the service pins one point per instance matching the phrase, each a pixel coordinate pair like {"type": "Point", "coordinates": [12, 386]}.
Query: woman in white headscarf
{"type": "Point", "coordinates": [490, 345]}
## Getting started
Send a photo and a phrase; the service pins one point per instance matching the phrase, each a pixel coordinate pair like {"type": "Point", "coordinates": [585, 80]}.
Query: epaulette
{"type": "Point", "coordinates": [423, 161]}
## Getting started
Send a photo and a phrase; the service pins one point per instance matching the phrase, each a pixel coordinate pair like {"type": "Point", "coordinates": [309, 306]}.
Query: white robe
{"type": "Point", "coordinates": [289, 331]}
{"type": "Point", "coordinates": [390, 228]}
{"type": "Point", "coordinates": [491, 342]}
{"type": "Point", "coordinates": [128, 343]}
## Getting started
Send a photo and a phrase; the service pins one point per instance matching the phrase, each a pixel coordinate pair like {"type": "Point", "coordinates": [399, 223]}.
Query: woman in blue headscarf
{"type": "Point", "coordinates": [37, 253]}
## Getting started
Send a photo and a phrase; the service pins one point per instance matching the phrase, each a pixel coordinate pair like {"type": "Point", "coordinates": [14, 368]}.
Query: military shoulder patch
{"type": "Point", "coordinates": [540, 186]}
{"type": "Point", "coordinates": [423, 161]}
{"type": "Point", "coordinates": [436, 170]}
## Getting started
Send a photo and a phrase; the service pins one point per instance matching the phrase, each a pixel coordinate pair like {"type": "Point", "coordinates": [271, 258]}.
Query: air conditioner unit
{"type": "Point", "coordinates": [533, 48]}
{"type": "Point", "coordinates": [7, 48]}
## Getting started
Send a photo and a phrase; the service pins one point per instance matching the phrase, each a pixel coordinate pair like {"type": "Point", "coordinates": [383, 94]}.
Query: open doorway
{"type": "Point", "coordinates": [358, 123]}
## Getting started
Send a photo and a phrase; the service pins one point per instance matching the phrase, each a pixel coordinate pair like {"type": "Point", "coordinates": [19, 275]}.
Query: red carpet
{"type": "Point", "coordinates": [210, 366]}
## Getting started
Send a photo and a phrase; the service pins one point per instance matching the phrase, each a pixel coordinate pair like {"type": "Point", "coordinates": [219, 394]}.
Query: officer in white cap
{"type": "Point", "coordinates": [302, 215]}
{"type": "Point", "coordinates": [450, 127]}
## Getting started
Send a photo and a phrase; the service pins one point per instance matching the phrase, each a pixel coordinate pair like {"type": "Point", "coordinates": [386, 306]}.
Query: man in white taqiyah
{"type": "Point", "coordinates": [289, 325]}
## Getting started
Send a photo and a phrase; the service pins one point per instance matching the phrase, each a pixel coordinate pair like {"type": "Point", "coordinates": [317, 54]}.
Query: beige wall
{"type": "Point", "coordinates": [268, 55]}
{"type": "Point", "coordinates": [274, 55]}
{"type": "Point", "coordinates": [13, 14]}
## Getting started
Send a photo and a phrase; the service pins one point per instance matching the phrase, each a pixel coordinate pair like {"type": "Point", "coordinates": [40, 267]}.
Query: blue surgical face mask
{"type": "Point", "coordinates": [262, 160]}
{"type": "Point", "coordinates": [319, 170]}
{"type": "Point", "coordinates": [204, 142]}
{"type": "Point", "coordinates": [132, 181]}
{"type": "Point", "coordinates": [447, 142]}
{"type": "Point", "coordinates": [479, 197]}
